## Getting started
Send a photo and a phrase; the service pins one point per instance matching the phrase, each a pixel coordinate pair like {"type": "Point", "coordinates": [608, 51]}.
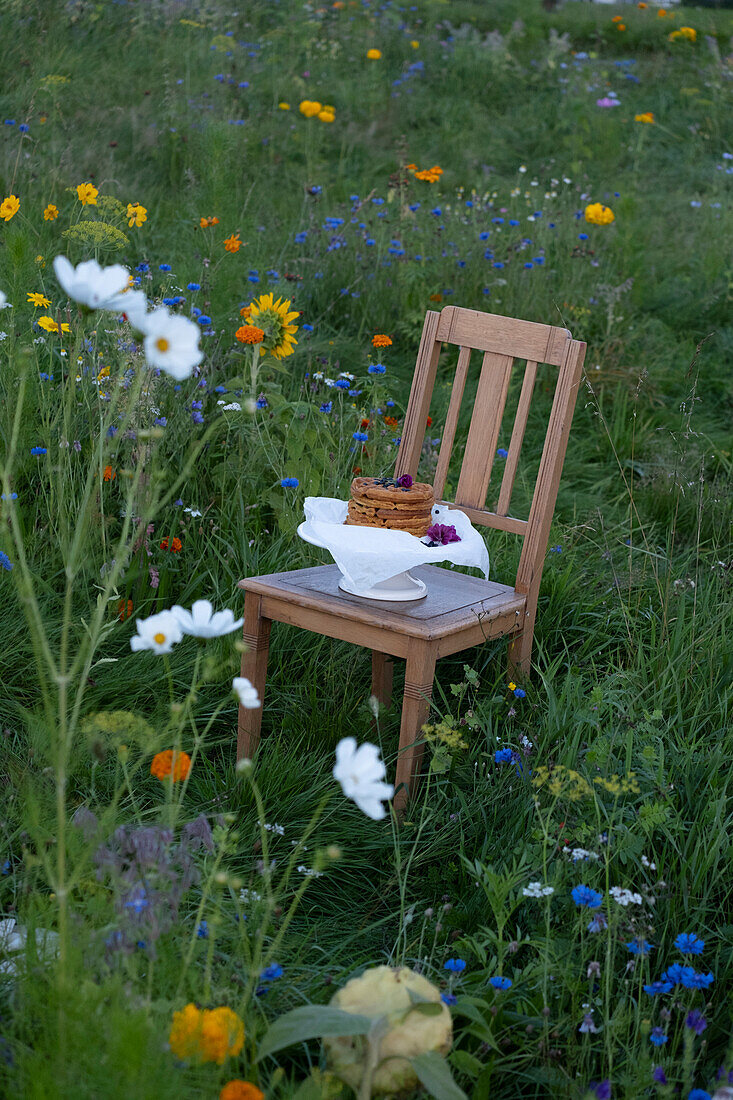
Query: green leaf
{"type": "Point", "coordinates": [311, 1022]}
{"type": "Point", "coordinates": [435, 1075]}
{"type": "Point", "coordinates": [467, 1063]}
{"type": "Point", "coordinates": [427, 1008]}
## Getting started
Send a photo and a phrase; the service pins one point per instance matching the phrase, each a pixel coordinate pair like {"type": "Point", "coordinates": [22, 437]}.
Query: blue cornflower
{"type": "Point", "coordinates": [45, 377]}
{"type": "Point", "coordinates": [658, 987]}
{"type": "Point", "coordinates": [640, 947]}
{"type": "Point", "coordinates": [437, 211]}
{"type": "Point", "coordinates": [170, 301]}
{"type": "Point", "coordinates": [14, 496]}
{"type": "Point", "coordinates": [448, 998]}
{"type": "Point", "coordinates": [503, 756]}
{"type": "Point", "coordinates": [582, 236]}
{"type": "Point", "coordinates": [502, 452]}
{"type": "Point", "coordinates": [677, 973]}
{"type": "Point", "coordinates": [556, 549]}
{"type": "Point", "coordinates": [342, 383]}
{"type": "Point", "coordinates": [513, 221]}
{"type": "Point", "coordinates": [389, 403]}
{"type": "Point", "coordinates": [24, 127]}
{"type": "Point", "coordinates": [217, 389]}
{"type": "Point", "coordinates": [585, 896]}
{"type": "Point", "coordinates": [203, 319]}
{"type": "Point", "coordinates": [456, 965]}
{"type": "Point", "coordinates": [6, 867]}
{"type": "Point", "coordinates": [602, 1090]}
{"type": "Point", "coordinates": [528, 264]}
{"type": "Point", "coordinates": [520, 693]}
{"type": "Point", "coordinates": [485, 235]}
{"type": "Point", "coordinates": [5, 561]}
{"type": "Point", "coordinates": [197, 417]}
{"type": "Point", "coordinates": [376, 368]}
{"type": "Point", "coordinates": [498, 221]}
{"type": "Point", "coordinates": [369, 242]}
{"type": "Point", "coordinates": [137, 903]}
{"type": "Point", "coordinates": [658, 1037]}
{"type": "Point", "coordinates": [497, 263]}
{"type": "Point", "coordinates": [10, 122]}
{"type": "Point", "coordinates": [143, 266]}
{"type": "Point", "coordinates": [203, 931]}
{"type": "Point", "coordinates": [687, 943]}
{"type": "Point", "coordinates": [695, 1021]}
{"type": "Point", "coordinates": [261, 402]}
{"type": "Point", "coordinates": [360, 437]}
{"type": "Point", "coordinates": [271, 973]}
{"type": "Point", "coordinates": [164, 267]}
{"type": "Point", "coordinates": [289, 482]}
{"type": "Point", "coordinates": [307, 328]}
{"type": "Point", "coordinates": [326, 407]}
{"type": "Point", "coordinates": [193, 286]}
{"type": "Point", "coordinates": [500, 983]}
{"type": "Point", "coordinates": [697, 981]}
{"type": "Point", "coordinates": [415, 206]}
{"type": "Point", "coordinates": [38, 450]}
{"type": "Point", "coordinates": [659, 1076]}
{"type": "Point", "coordinates": [698, 1094]}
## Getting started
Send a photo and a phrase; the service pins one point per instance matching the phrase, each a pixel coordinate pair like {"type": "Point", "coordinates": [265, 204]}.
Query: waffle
{"type": "Point", "coordinates": [373, 503]}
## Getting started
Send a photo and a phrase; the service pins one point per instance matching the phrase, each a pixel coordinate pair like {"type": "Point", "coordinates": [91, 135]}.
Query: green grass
{"type": "Point", "coordinates": [633, 643]}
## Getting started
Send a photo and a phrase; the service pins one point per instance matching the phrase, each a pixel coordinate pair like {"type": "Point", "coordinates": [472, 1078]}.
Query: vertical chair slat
{"type": "Point", "coordinates": [451, 421]}
{"type": "Point", "coordinates": [488, 409]}
{"type": "Point", "coordinates": [413, 430]}
{"type": "Point", "coordinates": [515, 446]}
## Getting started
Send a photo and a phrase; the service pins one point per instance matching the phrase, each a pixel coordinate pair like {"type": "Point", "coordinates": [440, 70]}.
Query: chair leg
{"type": "Point", "coordinates": [256, 637]}
{"type": "Point", "coordinates": [419, 674]}
{"type": "Point", "coordinates": [520, 654]}
{"type": "Point", "coordinates": [382, 668]}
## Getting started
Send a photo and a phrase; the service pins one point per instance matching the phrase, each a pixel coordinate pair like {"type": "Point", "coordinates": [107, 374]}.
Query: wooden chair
{"type": "Point", "coordinates": [459, 611]}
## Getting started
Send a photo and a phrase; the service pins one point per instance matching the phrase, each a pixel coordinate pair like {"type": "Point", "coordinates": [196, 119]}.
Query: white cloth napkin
{"type": "Point", "coordinates": [366, 555]}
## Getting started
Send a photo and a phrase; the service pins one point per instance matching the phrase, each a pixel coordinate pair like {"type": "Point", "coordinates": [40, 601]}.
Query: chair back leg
{"type": "Point", "coordinates": [419, 674]}
{"type": "Point", "coordinates": [256, 637]}
{"type": "Point", "coordinates": [382, 668]}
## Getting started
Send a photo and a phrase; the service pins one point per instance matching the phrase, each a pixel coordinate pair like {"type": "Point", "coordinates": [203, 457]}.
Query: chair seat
{"type": "Point", "coordinates": [458, 611]}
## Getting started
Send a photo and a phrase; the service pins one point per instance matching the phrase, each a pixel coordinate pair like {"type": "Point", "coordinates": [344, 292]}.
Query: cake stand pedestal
{"type": "Point", "coordinates": [397, 589]}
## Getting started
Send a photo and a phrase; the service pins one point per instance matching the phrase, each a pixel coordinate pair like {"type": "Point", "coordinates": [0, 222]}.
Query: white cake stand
{"type": "Point", "coordinates": [395, 589]}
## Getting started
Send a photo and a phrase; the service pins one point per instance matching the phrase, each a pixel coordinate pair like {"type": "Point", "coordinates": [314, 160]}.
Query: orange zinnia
{"type": "Point", "coordinates": [175, 544]}
{"type": "Point", "coordinates": [233, 243]}
{"type": "Point", "coordinates": [391, 421]}
{"type": "Point", "coordinates": [170, 765]}
{"type": "Point", "coordinates": [241, 1090]}
{"type": "Point", "coordinates": [381, 341]}
{"type": "Point", "coordinates": [250, 334]}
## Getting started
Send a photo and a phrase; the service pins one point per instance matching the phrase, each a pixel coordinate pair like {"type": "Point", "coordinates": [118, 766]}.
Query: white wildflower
{"type": "Point", "coordinates": [203, 622]}
{"type": "Point", "coordinates": [361, 773]}
{"type": "Point", "coordinates": [625, 897]}
{"type": "Point", "coordinates": [537, 890]}
{"type": "Point", "coordinates": [246, 692]}
{"type": "Point", "coordinates": [158, 632]}
{"type": "Point", "coordinates": [92, 285]}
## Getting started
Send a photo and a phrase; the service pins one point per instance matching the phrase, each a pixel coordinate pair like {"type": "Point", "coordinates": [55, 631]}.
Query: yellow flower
{"type": "Point", "coordinates": [275, 320]}
{"type": "Point", "coordinates": [598, 214]}
{"type": "Point", "coordinates": [87, 194]}
{"type": "Point", "coordinates": [206, 1035]}
{"type": "Point", "coordinates": [9, 207]}
{"type": "Point", "coordinates": [40, 300]}
{"type": "Point", "coordinates": [512, 687]}
{"type": "Point", "coordinates": [136, 214]}
{"type": "Point", "coordinates": [684, 32]}
{"type": "Point", "coordinates": [51, 213]}
{"type": "Point", "coordinates": [647, 116]}
{"type": "Point", "coordinates": [49, 325]}
{"type": "Point", "coordinates": [328, 114]}
{"type": "Point", "coordinates": [233, 243]}
{"type": "Point", "coordinates": [415, 44]}
{"type": "Point", "coordinates": [374, 55]}
{"type": "Point", "coordinates": [283, 106]}
{"type": "Point", "coordinates": [620, 26]}
{"type": "Point", "coordinates": [310, 107]}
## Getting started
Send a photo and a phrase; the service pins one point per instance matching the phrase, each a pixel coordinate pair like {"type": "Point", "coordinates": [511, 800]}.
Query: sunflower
{"type": "Point", "coordinates": [274, 318]}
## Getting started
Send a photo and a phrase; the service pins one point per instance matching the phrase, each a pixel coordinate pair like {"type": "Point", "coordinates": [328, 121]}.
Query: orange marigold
{"type": "Point", "coordinates": [109, 474]}
{"type": "Point", "coordinates": [250, 334]}
{"type": "Point", "coordinates": [241, 1090]}
{"type": "Point", "coordinates": [617, 19]}
{"type": "Point", "coordinates": [173, 544]}
{"type": "Point", "coordinates": [124, 610]}
{"type": "Point", "coordinates": [391, 421]}
{"type": "Point", "coordinates": [233, 243]}
{"type": "Point", "coordinates": [170, 764]}
{"type": "Point", "coordinates": [381, 341]}
{"type": "Point", "coordinates": [245, 311]}
{"type": "Point", "coordinates": [206, 1035]}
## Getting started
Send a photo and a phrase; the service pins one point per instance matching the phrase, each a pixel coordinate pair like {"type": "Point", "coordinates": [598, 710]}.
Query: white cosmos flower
{"type": "Point", "coordinates": [90, 284]}
{"type": "Point", "coordinates": [158, 632]}
{"type": "Point", "coordinates": [4, 303]}
{"type": "Point", "coordinates": [246, 692]}
{"type": "Point", "coordinates": [171, 343]}
{"type": "Point", "coordinates": [132, 303]}
{"type": "Point", "coordinates": [203, 622]}
{"type": "Point", "coordinates": [360, 773]}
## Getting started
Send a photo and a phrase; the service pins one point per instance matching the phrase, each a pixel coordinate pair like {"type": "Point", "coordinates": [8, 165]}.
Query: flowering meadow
{"type": "Point", "coordinates": [220, 231]}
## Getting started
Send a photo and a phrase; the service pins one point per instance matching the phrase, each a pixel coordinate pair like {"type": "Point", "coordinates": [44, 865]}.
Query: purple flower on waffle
{"type": "Point", "coordinates": [440, 534]}
{"type": "Point", "coordinates": [405, 482]}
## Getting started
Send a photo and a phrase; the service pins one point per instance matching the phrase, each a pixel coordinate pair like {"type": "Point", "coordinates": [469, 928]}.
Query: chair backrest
{"type": "Point", "coordinates": [502, 340]}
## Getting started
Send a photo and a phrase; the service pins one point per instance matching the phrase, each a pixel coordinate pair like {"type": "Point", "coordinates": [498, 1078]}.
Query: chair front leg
{"type": "Point", "coordinates": [256, 637]}
{"type": "Point", "coordinates": [419, 675]}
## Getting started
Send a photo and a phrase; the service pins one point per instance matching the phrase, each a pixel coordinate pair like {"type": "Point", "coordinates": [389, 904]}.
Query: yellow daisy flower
{"type": "Point", "coordinates": [87, 194]}
{"type": "Point", "coordinates": [9, 207]}
{"type": "Point", "coordinates": [51, 213]}
{"type": "Point", "coordinates": [136, 214]}
{"type": "Point", "coordinates": [39, 300]}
